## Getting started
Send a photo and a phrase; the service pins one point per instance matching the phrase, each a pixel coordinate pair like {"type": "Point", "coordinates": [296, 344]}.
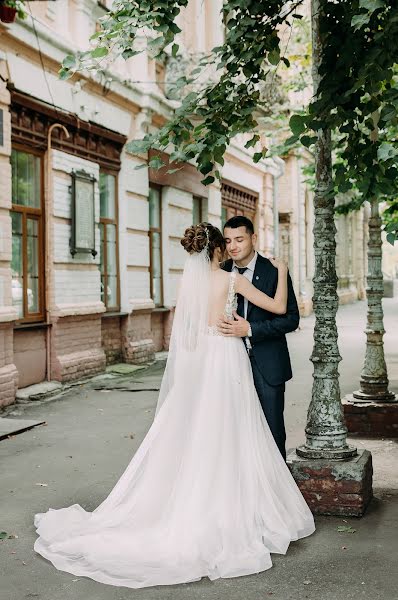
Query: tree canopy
{"type": "Point", "coordinates": [357, 97]}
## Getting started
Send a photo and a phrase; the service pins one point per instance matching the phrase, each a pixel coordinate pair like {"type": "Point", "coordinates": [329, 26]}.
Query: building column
{"type": "Point", "coordinates": [8, 314]}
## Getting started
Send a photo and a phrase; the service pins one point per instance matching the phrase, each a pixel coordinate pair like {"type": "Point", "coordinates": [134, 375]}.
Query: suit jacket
{"type": "Point", "coordinates": [268, 340]}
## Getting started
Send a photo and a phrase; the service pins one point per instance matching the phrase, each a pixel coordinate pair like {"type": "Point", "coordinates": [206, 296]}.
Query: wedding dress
{"type": "Point", "coordinates": [207, 493]}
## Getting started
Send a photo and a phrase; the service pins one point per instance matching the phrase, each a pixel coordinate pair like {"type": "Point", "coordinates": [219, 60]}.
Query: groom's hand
{"type": "Point", "coordinates": [238, 328]}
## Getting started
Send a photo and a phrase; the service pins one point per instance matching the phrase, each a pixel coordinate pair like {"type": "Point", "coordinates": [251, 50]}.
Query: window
{"type": "Point", "coordinates": [27, 263]}
{"type": "Point", "coordinates": [155, 242]}
{"type": "Point", "coordinates": [199, 210]}
{"type": "Point", "coordinates": [237, 201]}
{"type": "Point", "coordinates": [109, 241]}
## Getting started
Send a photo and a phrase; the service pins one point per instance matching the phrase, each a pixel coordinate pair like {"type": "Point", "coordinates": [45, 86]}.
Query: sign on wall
{"type": "Point", "coordinates": [83, 213]}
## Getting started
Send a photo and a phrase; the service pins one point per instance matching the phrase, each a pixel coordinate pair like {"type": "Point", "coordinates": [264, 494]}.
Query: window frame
{"type": "Point", "coordinates": [151, 231]}
{"type": "Point", "coordinates": [202, 205]}
{"type": "Point", "coordinates": [104, 221]}
{"type": "Point", "coordinates": [39, 215]}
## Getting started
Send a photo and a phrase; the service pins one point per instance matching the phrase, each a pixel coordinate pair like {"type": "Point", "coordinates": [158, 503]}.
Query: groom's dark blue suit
{"type": "Point", "coordinates": [269, 355]}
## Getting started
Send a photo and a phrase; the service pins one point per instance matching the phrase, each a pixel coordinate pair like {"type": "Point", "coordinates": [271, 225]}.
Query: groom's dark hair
{"type": "Point", "coordinates": [240, 221]}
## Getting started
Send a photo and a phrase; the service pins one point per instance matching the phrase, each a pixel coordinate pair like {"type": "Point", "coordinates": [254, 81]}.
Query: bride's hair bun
{"type": "Point", "coordinates": [197, 237]}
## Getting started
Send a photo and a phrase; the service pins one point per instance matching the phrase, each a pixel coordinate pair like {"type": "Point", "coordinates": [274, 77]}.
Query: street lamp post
{"type": "Point", "coordinates": [374, 378]}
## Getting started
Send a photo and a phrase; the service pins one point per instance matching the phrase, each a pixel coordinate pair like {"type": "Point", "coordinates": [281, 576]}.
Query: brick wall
{"type": "Point", "coordinates": [112, 339]}
{"type": "Point", "coordinates": [77, 348]}
{"type": "Point", "coordinates": [138, 346]}
{"type": "Point", "coordinates": [157, 331]}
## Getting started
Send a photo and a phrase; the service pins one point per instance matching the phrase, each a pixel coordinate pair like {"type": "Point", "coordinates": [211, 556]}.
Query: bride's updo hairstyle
{"type": "Point", "coordinates": [197, 237]}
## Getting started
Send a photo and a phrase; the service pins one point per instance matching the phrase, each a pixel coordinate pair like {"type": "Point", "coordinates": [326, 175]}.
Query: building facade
{"type": "Point", "coordinates": [89, 245]}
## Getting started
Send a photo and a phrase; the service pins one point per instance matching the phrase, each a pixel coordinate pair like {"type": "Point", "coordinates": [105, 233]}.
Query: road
{"type": "Point", "coordinates": [91, 435]}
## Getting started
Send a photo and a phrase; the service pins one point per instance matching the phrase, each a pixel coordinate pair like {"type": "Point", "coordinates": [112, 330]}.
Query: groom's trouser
{"type": "Point", "coordinates": [272, 399]}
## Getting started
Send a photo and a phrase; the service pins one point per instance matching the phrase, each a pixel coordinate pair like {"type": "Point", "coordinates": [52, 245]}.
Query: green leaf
{"type": "Point", "coordinates": [69, 61]}
{"type": "Point", "coordinates": [138, 146]}
{"type": "Point", "coordinates": [308, 140]}
{"type": "Point", "coordinates": [174, 28]}
{"type": "Point", "coordinates": [99, 52]}
{"type": "Point", "coordinates": [64, 74]}
{"type": "Point", "coordinates": [297, 124]}
{"type": "Point", "coordinates": [154, 43]}
{"type": "Point", "coordinates": [174, 50]}
{"type": "Point", "coordinates": [3, 535]}
{"type": "Point", "coordinates": [346, 529]}
{"type": "Point", "coordinates": [359, 21]}
{"type": "Point", "coordinates": [391, 238]}
{"type": "Point", "coordinates": [253, 141]}
{"type": "Point", "coordinates": [274, 56]}
{"type": "Point", "coordinates": [388, 113]}
{"type": "Point", "coordinates": [156, 163]}
{"type": "Point", "coordinates": [129, 52]}
{"type": "Point", "coordinates": [207, 180]}
{"type": "Point", "coordinates": [371, 5]}
{"type": "Point", "coordinates": [386, 151]}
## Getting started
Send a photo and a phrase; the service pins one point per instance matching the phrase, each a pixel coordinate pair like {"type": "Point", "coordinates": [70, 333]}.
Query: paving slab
{"type": "Point", "coordinates": [14, 426]}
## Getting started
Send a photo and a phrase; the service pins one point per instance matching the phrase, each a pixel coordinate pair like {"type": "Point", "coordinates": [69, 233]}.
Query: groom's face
{"type": "Point", "coordinates": [240, 243]}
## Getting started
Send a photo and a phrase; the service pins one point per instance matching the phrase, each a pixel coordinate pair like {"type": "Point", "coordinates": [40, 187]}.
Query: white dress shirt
{"type": "Point", "coordinates": [249, 276]}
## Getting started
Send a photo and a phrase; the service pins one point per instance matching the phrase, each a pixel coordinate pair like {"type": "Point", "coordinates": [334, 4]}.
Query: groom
{"type": "Point", "coordinates": [263, 332]}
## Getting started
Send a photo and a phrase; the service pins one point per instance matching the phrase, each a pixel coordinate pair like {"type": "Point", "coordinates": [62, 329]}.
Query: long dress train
{"type": "Point", "coordinates": [206, 494]}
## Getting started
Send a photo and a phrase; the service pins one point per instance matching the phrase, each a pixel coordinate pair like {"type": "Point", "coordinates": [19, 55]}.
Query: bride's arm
{"type": "Point", "coordinates": [276, 305]}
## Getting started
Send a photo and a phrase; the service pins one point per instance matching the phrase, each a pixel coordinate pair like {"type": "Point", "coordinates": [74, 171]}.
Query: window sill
{"type": "Point", "coordinates": [161, 309]}
{"type": "Point", "coordinates": [22, 326]}
{"type": "Point", "coordinates": [111, 314]}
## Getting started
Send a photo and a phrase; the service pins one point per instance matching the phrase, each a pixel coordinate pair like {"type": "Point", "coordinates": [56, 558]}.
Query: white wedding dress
{"type": "Point", "coordinates": [207, 493]}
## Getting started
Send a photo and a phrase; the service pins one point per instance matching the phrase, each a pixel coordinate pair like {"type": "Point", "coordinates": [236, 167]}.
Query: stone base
{"type": "Point", "coordinates": [76, 351]}
{"type": "Point", "coordinates": [137, 342]}
{"type": "Point", "coordinates": [342, 488]}
{"type": "Point", "coordinates": [79, 365]}
{"type": "Point", "coordinates": [8, 384]}
{"type": "Point", "coordinates": [140, 352]}
{"type": "Point", "coordinates": [373, 419]}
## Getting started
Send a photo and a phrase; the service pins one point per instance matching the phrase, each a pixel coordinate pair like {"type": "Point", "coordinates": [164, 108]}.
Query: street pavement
{"type": "Point", "coordinates": [90, 436]}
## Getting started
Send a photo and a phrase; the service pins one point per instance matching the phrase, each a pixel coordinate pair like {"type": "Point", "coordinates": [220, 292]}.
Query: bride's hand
{"type": "Point", "coordinates": [279, 264]}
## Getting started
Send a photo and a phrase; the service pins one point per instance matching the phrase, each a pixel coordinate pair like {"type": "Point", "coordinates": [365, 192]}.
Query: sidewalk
{"type": "Point", "coordinates": [92, 434]}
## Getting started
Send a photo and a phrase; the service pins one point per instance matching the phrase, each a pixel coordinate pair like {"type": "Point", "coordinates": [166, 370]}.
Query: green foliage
{"type": "Point", "coordinates": [19, 5]}
{"type": "Point", "coordinates": [358, 97]}
{"type": "Point", "coordinates": [207, 119]}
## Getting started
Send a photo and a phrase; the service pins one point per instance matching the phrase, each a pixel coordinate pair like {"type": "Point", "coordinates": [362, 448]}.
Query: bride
{"type": "Point", "coordinates": [207, 493]}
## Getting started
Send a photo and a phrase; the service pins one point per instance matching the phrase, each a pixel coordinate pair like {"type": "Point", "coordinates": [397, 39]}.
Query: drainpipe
{"type": "Point", "coordinates": [280, 163]}
{"type": "Point", "coordinates": [48, 219]}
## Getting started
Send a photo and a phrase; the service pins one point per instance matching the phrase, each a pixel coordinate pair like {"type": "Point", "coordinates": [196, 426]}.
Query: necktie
{"type": "Point", "coordinates": [241, 301]}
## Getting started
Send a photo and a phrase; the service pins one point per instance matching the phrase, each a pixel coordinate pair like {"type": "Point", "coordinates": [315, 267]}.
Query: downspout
{"type": "Point", "coordinates": [48, 219]}
{"type": "Point", "coordinates": [280, 163]}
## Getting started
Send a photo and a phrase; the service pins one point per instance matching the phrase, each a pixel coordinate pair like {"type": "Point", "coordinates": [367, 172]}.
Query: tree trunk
{"type": "Point", "coordinates": [326, 433]}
